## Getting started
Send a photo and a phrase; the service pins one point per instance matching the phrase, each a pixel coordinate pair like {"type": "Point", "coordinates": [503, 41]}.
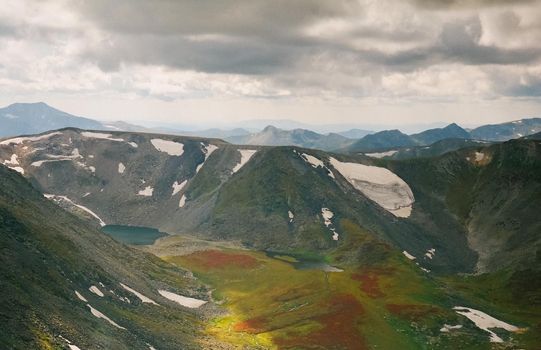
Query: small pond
{"type": "Point", "coordinates": [135, 235]}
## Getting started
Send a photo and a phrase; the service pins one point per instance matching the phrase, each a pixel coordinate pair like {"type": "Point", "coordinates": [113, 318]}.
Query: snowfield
{"type": "Point", "coordinates": [147, 191]}
{"type": "Point", "coordinates": [380, 185]}
{"type": "Point", "coordinates": [170, 147]}
{"type": "Point", "coordinates": [177, 187]}
{"type": "Point", "coordinates": [381, 154]}
{"type": "Point", "coordinates": [101, 136]}
{"type": "Point", "coordinates": [245, 155]}
{"type": "Point", "coordinates": [485, 322]}
{"type": "Point", "coordinates": [141, 297]}
{"type": "Point", "coordinates": [19, 140]}
{"type": "Point", "coordinates": [191, 303]}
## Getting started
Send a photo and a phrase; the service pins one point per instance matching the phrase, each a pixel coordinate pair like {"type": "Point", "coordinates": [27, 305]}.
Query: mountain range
{"type": "Point", "coordinates": [20, 118]}
{"type": "Point", "coordinates": [436, 232]}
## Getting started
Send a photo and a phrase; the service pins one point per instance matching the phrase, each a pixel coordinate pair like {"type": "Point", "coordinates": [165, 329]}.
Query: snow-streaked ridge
{"type": "Point", "coordinates": [54, 196]}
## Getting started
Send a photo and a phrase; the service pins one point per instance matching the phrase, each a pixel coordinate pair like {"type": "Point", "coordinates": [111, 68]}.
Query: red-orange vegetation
{"type": "Point", "coordinates": [217, 259]}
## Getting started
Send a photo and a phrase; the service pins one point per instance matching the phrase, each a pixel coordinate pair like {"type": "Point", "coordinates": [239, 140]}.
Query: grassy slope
{"type": "Point", "coordinates": [47, 253]}
{"type": "Point", "coordinates": [382, 301]}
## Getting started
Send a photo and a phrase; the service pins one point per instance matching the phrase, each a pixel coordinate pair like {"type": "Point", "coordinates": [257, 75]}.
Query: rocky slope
{"type": "Point", "coordinates": [67, 285]}
{"type": "Point", "coordinates": [284, 198]}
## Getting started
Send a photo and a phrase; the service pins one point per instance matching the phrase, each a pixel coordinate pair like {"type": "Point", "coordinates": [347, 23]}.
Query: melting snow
{"type": "Point", "coordinates": [381, 154]}
{"type": "Point", "coordinates": [327, 216]}
{"type": "Point", "coordinates": [170, 147]}
{"type": "Point", "coordinates": [430, 253]}
{"type": "Point", "coordinates": [380, 185]}
{"type": "Point", "coordinates": [479, 156]}
{"type": "Point", "coordinates": [314, 162]}
{"type": "Point", "coordinates": [425, 270]}
{"type": "Point", "coordinates": [96, 291]}
{"type": "Point", "coordinates": [80, 297]}
{"type": "Point", "coordinates": [102, 316]}
{"type": "Point", "coordinates": [485, 322]}
{"type": "Point", "coordinates": [147, 191]}
{"type": "Point", "coordinates": [99, 135]}
{"type": "Point", "coordinates": [447, 328]}
{"type": "Point", "coordinates": [121, 168]}
{"type": "Point", "coordinates": [182, 201]}
{"type": "Point", "coordinates": [291, 216]}
{"type": "Point", "coordinates": [177, 187]}
{"type": "Point", "coordinates": [208, 151]}
{"type": "Point", "coordinates": [245, 155]}
{"type": "Point", "coordinates": [57, 197]}
{"type": "Point", "coordinates": [12, 164]}
{"type": "Point", "coordinates": [408, 255]}
{"type": "Point", "coordinates": [141, 297]}
{"type": "Point", "coordinates": [182, 300]}
{"type": "Point", "coordinates": [19, 140]}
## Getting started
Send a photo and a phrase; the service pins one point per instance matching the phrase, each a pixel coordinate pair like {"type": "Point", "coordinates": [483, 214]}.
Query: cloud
{"type": "Point", "coordinates": [170, 49]}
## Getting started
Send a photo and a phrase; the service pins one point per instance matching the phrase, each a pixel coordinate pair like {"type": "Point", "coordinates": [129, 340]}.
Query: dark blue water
{"type": "Point", "coordinates": [135, 235]}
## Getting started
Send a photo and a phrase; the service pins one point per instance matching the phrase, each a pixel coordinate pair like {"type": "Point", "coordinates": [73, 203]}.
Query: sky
{"type": "Point", "coordinates": [365, 62]}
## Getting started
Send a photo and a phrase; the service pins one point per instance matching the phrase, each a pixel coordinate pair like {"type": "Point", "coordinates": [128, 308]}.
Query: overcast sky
{"type": "Point", "coordinates": [318, 61]}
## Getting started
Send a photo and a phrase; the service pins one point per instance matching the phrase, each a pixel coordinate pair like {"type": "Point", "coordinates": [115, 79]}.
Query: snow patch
{"type": "Point", "coordinates": [290, 215]}
{"type": "Point", "coordinates": [485, 322]}
{"type": "Point", "coordinates": [245, 155]}
{"type": "Point", "coordinates": [382, 154]}
{"type": "Point", "coordinates": [147, 191]}
{"type": "Point", "coordinates": [177, 187]}
{"type": "Point", "coordinates": [58, 197]}
{"type": "Point", "coordinates": [380, 185]}
{"type": "Point", "coordinates": [19, 140]}
{"type": "Point", "coordinates": [121, 168]}
{"type": "Point", "coordinates": [141, 297]}
{"type": "Point", "coordinates": [191, 303]}
{"type": "Point", "coordinates": [80, 297]}
{"type": "Point", "coordinates": [207, 149]}
{"type": "Point", "coordinates": [170, 147]}
{"type": "Point", "coordinates": [182, 201]}
{"type": "Point", "coordinates": [99, 135]}
{"type": "Point", "coordinates": [447, 328]}
{"type": "Point", "coordinates": [96, 291]}
{"type": "Point", "coordinates": [479, 156]}
{"type": "Point", "coordinates": [327, 215]}
{"type": "Point", "coordinates": [314, 162]}
{"type": "Point", "coordinates": [430, 253]}
{"type": "Point", "coordinates": [102, 316]}
{"type": "Point", "coordinates": [408, 255]}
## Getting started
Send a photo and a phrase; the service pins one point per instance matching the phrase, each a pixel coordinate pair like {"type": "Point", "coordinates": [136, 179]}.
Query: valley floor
{"type": "Point", "coordinates": [272, 304]}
